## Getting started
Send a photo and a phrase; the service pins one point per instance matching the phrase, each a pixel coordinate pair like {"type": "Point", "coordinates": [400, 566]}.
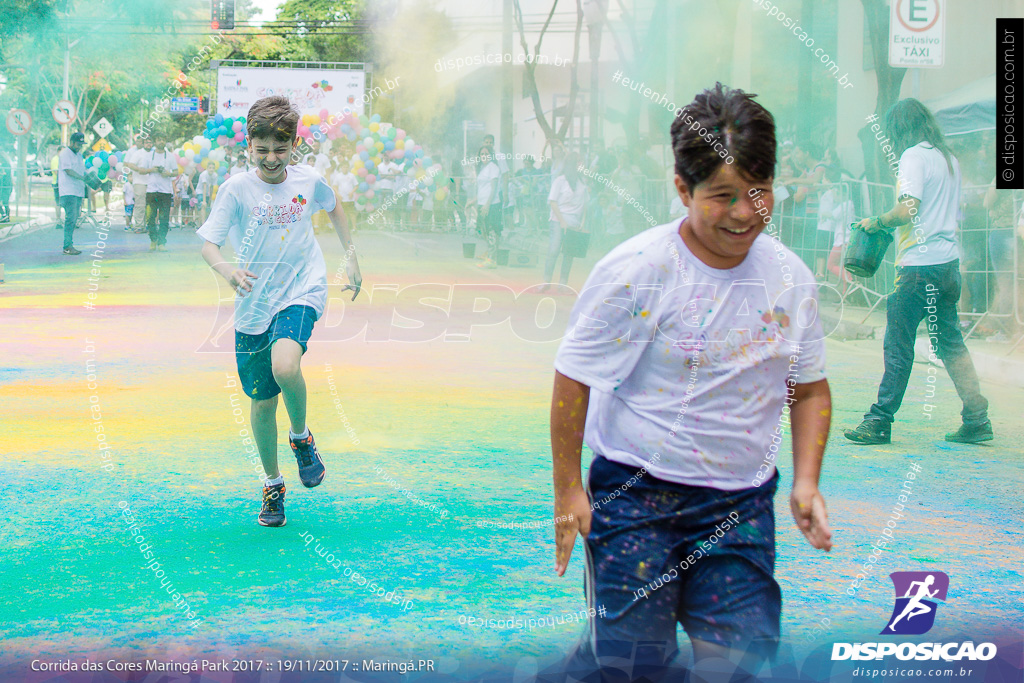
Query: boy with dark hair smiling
{"type": "Point", "coordinates": [687, 347]}
{"type": "Point", "coordinates": [280, 280]}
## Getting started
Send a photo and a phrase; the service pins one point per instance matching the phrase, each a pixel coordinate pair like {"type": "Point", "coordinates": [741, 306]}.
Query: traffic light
{"type": "Point", "coordinates": [222, 15]}
{"type": "Point", "coordinates": [204, 105]}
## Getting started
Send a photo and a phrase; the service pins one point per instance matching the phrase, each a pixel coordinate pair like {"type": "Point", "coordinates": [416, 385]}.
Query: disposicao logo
{"type": "Point", "coordinates": [914, 611]}
{"type": "Point", "coordinates": [913, 614]}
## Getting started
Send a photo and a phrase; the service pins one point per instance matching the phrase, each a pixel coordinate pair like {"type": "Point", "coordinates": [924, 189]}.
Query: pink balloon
{"type": "Point", "coordinates": [369, 194]}
{"type": "Point", "coordinates": [360, 148]}
{"type": "Point", "coordinates": [239, 136]}
{"type": "Point", "coordinates": [222, 140]}
{"type": "Point", "coordinates": [400, 135]}
{"type": "Point", "coordinates": [371, 178]}
{"type": "Point", "coordinates": [303, 131]}
{"type": "Point", "coordinates": [361, 172]}
{"type": "Point", "coordinates": [324, 114]}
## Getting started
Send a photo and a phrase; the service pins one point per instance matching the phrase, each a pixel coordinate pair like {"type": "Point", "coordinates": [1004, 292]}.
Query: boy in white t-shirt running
{"type": "Point", "coordinates": [281, 284]}
{"type": "Point", "coordinates": [688, 353]}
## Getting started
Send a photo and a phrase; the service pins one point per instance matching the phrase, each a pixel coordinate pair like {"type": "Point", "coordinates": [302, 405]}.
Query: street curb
{"type": "Point", "coordinates": [845, 330]}
{"type": "Point", "coordinates": [34, 225]}
{"type": "Point", "coordinates": [990, 367]}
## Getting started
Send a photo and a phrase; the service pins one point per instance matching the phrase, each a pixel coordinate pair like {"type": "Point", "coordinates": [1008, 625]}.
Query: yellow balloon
{"type": "Point", "coordinates": [440, 194]}
{"type": "Point", "coordinates": [314, 119]}
{"type": "Point", "coordinates": [399, 144]}
{"type": "Point", "coordinates": [374, 127]}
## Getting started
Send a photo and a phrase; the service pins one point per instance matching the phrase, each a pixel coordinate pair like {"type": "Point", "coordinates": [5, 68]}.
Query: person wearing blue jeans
{"type": "Point", "coordinates": [71, 187]}
{"type": "Point", "coordinates": [927, 293]}
{"type": "Point", "coordinates": [928, 274]}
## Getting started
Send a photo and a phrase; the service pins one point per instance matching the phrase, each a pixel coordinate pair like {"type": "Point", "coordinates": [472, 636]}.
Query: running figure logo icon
{"type": "Point", "coordinates": [916, 595]}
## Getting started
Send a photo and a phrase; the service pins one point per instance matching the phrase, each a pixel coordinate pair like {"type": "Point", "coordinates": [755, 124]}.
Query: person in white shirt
{"type": "Point", "coordinates": [569, 235]}
{"type": "Point", "coordinates": [389, 176]}
{"type": "Point", "coordinates": [345, 183]}
{"type": "Point", "coordinates": [240, 165]}
{"type": "Point", "coordinates": [205, 188]}
{"type": "Point", "coordinates": [488, 202]}
{"type": "Point", "coordinates": [160, 167]}
{"type": "Point", "coordinates": [322, 163]}
{"type": "Point", "coordinates": [508, 200]}
{"type": "Point", "coordinates": [280, 279]}
{"type": "Point", "coordinates": [927, 275]}
{"type": "Point", "coordinates": [691, 348]}
{"type": "Point", "coordinates": [139, 179]}
{"type": "Point", "coordinates": [71, 186]}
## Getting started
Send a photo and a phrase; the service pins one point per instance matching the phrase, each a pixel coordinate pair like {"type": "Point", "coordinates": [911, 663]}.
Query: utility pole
{"type": "Point", "coordinates": [595, 12]}
{"type": "Point", "coordinates": [506, 81]}
{"type": "Point", "coordinates": [67, 81]}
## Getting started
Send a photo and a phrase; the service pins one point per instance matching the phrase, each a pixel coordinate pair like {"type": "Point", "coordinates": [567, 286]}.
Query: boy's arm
{"type": "Point", "coordinates": [238, 278]}
{"type": "Point", "coordinates": [569, 402]}
{"type": "Point", "coordinates": [340, 223]}
{"type": "Point", "coordinates": [810, 415]}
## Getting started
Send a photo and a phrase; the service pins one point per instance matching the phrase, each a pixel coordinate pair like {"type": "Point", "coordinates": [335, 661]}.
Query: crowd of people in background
{"type": "Point", "coordinates": [562, 213]}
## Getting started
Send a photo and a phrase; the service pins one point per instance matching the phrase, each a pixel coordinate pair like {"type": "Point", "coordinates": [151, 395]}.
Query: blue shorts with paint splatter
{"type": "Point", "coordinates": [661, 554]}
{"type": "Point", "coordinates": [252, 351]}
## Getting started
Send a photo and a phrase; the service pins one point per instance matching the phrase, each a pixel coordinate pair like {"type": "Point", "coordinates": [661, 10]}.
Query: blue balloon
{"type": "Point", "coordinates": [218, 119]}
{"type": "Point", "coordinates": [364, 155]}
{"type": "Point", "coordinates": [210, 124]}
{"type": "Point", "coordinates": [370, 165]}
{"type": "Point", "coordinates": [428, 162]}
{"type": "Point", "coordinates": [363, 187]}
{"type": "Point", "coordinates": [419, 153]}
{"type": "Point", "coordinates": [389, 145]}
{"type": "Point", "coordinates": [351, 135]}
{"type": "Point", "coordinates": [375, 118]}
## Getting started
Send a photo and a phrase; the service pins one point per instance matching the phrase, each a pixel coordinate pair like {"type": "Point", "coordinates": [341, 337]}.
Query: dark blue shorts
{"type": "Point", "coordinates": [705, 559]}
{"type": "Point", "coordinates": [252, 351]}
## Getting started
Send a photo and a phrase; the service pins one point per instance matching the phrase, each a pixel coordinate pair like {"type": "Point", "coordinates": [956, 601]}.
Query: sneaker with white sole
{"type": "Point", "coordinates": [272, 512]}
{"type": "Point", "coordinates": [311, 465]}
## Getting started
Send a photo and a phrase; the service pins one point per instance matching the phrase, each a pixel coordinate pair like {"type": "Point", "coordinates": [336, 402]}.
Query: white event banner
{"type": "Point", "coordinates": [310, 90]}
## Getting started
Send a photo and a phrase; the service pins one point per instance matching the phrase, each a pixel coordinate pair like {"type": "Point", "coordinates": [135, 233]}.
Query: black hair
{"type": "Point", "coordinates": [485, 158]}
{"type": "Point", "coordinates": [744, 129]}
{"type": "Point", "coordinates": [909, 122]}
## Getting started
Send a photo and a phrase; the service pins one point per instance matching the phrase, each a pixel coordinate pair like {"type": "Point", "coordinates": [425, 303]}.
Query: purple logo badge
{"type": "Point", "coordinates": [916, 595]}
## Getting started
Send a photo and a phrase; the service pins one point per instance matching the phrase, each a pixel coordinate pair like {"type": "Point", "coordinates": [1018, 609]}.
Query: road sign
{"type": "Point", "coordinates": [19, 122]}
{"type": "Point", "coordinates": [103, 128]}
{"type": "Point", "coordinates": [184, 105]}
{"type": "Point", "coordinates": [64, 112]}
{"type": "Point", "coordinates": [917, 32]}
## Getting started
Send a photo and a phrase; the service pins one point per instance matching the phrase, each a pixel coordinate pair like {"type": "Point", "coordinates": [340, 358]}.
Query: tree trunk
{"type": "Point", "coordinates": [876, 14]}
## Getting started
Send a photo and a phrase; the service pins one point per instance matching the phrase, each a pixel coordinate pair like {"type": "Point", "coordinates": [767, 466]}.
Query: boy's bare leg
{"type": "Point", "coordinates": [284, 359]}
{"type": "Point", "coordinates": [263, 415]}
